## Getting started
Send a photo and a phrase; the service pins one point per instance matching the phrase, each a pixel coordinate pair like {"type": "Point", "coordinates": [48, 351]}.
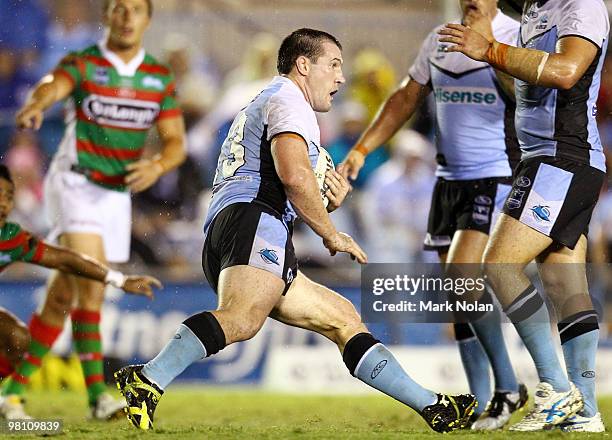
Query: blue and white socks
{"type": "Point", "coordinates": [530, 316]}
{"type": "Point", "coordinates": [372, 363]}
{"type": "Point", "coordinates": [475, 364]}
{"type": "Point", "coordinates": [180, 352]}
{"type": "Point", "coordinates": [197, 337]}
{"type": "Point", "coordinates": [579, 335]}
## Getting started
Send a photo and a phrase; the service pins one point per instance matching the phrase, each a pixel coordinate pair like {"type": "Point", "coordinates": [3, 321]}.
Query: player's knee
{"type": "Point", "coordinates": [91, 294]}
{"type": "Point", "coordinates": [247, 330]}
{"type": "Point", "coordinates": [59, 303]}
{"type": "Point", "coordinates": [245, 327]}
{"type": "Point", "coordinates": [553, 283]}
{"type": "Point", "coordinates": [493, 272]}
{"type": "Point", "coordinates": [241, 321]}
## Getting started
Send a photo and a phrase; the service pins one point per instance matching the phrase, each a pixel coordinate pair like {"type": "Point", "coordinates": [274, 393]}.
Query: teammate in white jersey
{"type": "Point", "coordinates": [264, 178]}
{"type": "Point", "coordinates": [557, 69]}
{"type": "Point", "coordinates": [476, 152]}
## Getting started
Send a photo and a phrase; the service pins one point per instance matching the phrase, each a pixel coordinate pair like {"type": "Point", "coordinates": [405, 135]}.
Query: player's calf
{"type": "Point", "coordinates": [339, 324]}
{"type": "Point", "coordinates": [14, 341]}
{"type": "Point", "coordinates": [238, 325]}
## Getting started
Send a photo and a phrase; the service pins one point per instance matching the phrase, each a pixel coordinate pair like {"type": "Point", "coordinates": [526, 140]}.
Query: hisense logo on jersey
{"type": "Point", "coordinates": [119, 112]}
{"type": "Point", "coordinates": [465, 95]}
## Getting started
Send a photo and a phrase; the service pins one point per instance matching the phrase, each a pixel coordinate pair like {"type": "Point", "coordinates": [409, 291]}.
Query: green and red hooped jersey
{"type": "Point", "coordinates": [109, 112]}
{"type": "Point", "coordinates": [17, 244]}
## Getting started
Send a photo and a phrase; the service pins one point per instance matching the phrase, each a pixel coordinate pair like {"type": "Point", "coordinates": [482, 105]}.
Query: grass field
{"type": "Point", "coordinates": [199, 413]}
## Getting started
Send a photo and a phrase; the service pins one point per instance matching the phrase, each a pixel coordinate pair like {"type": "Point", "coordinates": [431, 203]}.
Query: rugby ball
{"type": "Point", "coordinates": [324, 164]}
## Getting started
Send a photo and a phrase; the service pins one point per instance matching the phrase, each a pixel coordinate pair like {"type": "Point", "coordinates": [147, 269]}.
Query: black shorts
{"type": "Point", "coordinates": [555, 196]}
{"type": "Point", "coordinates": [463, 204]}
{"type": "Point", "coordinates": [249, 234]}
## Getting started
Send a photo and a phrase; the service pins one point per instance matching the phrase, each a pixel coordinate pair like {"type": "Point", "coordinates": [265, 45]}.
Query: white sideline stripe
{"type": "Point", "coordinates": [365, 355]}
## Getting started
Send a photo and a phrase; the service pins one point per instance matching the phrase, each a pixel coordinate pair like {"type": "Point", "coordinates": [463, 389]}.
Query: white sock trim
{"type": "Point", "coordinates": [520, 304]}
{"type": "Point", "coordinates": [365, 355]}
{"type": "Point", "coordinates": [582, 318]}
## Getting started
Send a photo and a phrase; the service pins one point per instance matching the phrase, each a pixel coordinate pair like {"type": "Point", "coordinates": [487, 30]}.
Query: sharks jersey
{"type": "Point", "coordinates": [245, 169]}
{"type": "Point", "coordinates": [474, 120]}
{"type": "Point", "coordinates": [561, 123]}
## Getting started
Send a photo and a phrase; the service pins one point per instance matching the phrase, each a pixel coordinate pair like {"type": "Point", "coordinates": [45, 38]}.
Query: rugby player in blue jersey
{"type": "Point", "coordinates": [557, 67]}
{"type": "Point", "coordinates": [264, 181]}
{"type": "Point", "coordinates": [476, 152]}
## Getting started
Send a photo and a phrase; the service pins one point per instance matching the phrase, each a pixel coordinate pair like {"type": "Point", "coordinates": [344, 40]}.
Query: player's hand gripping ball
{"type": "Point", "coordinates": [324, 164]}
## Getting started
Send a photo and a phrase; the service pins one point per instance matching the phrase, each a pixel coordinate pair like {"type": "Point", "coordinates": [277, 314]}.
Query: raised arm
{"type": "Point", "coordinates": [49, 90]}
{"type": "Point", "coordinates": [393, 114]}
{"type": "Point", "coordinates": [559, 70]}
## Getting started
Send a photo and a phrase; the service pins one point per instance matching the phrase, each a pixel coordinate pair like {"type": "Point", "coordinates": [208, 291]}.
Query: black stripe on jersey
{"type": "Point", "coordinates": [583, 37]}
{"type": "Point", "coordinates": [457, 75]}
{"type": "Point", "coordinates": [513, 148]}
{"type": "Point", "coordinates": [271, 190]}
{"type": "Point", "coordinates": [571, 117]}
{"type": "Point", "coordinates": [523, 44]}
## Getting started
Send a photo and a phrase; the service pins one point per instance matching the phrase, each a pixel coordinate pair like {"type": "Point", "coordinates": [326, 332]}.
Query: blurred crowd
{"type": "Point", "coordinates": [386, 212]}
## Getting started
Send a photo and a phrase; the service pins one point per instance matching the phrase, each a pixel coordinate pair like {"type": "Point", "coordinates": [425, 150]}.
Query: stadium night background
{"type": "Point", "coordinates": [285, 382]}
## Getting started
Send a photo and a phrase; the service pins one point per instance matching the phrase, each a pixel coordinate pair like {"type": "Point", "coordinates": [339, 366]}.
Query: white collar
{"type": "Point", "coordinates": [291, 84]}
{"type": "Point", "coordinates": [500, 20]}
{"type": "Point", "coordinates": [124, 69]}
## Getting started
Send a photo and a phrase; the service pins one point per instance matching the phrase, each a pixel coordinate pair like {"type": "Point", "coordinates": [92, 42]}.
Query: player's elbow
{"type": "Point", "coordinates": [566, 83]}
{"type": "Point", "coordinates": [65, 261]}
{"type": "Point", "coordinates": [292, 178]}
{"type": "Point", "coordinates": [402, 101]}
{"type": "Point", "coordinates": [567, 78]}
{"type": "Point", "coordinates": [179, 150]}
{"type": "Point", "coordinates": [182, 151]}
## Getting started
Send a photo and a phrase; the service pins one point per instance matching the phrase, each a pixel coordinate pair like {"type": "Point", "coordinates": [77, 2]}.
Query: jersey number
{"type": "Point", "coordinates": [235, 157]}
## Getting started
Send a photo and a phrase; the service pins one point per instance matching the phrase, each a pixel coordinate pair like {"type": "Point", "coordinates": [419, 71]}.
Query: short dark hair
{"type": "Point", "coordinates": [107, 4]}
{"type": "Point", "coordinates": [5, 173]}
{"type": "Point", "coordinates": [303, 42]}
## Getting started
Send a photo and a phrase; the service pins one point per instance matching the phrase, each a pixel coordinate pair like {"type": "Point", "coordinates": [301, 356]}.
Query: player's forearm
{"type": "Point", "coordinates": [173, 154]}
{"type": "Point", "coordinates": [303, 193]}
{"type": "Point", "coordinates": [533, 66]}
{"type": "Point", "coordinates": [506, 83]}
{"type": "Point", "coordinates": [390, 118]}
{"type": "Point", "coordinates": [44, 94]}
{"type": "Point", "coordinates": [68, 261]}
